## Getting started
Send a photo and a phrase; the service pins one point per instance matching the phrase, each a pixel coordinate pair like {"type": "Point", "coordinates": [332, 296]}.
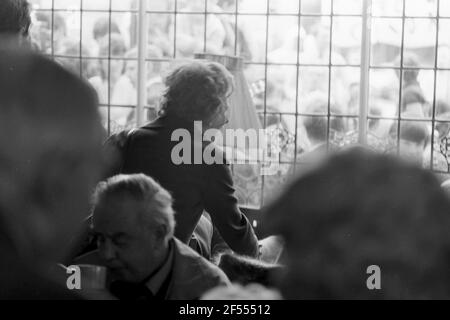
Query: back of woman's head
{"type": "Point", "coordinates": [362, 209]}
{"type": "Point", "coordinates": [195, 91]}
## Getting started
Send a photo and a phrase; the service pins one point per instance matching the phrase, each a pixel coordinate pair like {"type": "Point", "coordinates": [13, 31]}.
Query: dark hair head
{"type": "Point", "coordinates": [362, 209]}
{"type": "Point", "coordinates": [195, 91]}
{"type": "Point", "coordinates": [15, 17]}
{"type": "Point", "coordinates": [316, 126]}
{"type": "Point", "coordinates": [414, 131]}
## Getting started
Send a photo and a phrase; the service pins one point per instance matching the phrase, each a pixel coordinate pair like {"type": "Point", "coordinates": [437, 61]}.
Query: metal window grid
{"type": "Point", "coordinates": [364, 66]}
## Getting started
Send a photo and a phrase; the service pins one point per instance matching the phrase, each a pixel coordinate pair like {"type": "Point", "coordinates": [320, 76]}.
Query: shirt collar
{"type": "Point", "coordinates": [156, 281]}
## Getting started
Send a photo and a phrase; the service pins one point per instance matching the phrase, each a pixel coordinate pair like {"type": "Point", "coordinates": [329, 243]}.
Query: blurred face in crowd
{"type": "Point", "coordinates": [132, 72]}
{"type": "Point", "coordinates": [128, 245]}
{"type": "Point", "coordinates": [115, 68]}
{"type": "Point", "coordinates": [411, 151]}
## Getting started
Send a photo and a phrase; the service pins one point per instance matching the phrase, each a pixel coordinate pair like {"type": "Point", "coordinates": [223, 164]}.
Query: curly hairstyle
{"type": "Point", "coordinates": [362, 209]}
{"type": "Point", "coordinates": [15, 17]}
{"type": "Point", "coordinates": [196, 91]}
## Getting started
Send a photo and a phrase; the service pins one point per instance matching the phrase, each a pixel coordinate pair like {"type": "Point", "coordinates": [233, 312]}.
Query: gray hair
{"type": "Point", "coordinates": [146, 191]}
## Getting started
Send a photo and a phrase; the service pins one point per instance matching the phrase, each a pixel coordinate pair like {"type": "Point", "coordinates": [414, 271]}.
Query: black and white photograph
{"type": "Point", "coordinates": [215, 151]}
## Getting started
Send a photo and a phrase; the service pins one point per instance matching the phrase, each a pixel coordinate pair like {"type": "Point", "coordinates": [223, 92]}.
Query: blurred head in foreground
{"type": "Point", "coordinates": [362, 209]}
{"type": "Point", "coordinates": [49, 154]}
{"type": "Point", "coordinates": [15, 20]}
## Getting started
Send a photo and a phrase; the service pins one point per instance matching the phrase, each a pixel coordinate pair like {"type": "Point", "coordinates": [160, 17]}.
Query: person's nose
{"type": "Point", "coordinates": [107, 250]}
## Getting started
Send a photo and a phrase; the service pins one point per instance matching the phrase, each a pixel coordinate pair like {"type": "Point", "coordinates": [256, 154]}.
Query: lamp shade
{"type": "Point", "coordinates": [242, 115]}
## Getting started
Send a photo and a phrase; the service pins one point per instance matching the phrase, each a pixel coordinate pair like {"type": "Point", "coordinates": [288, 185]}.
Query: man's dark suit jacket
{"type": "Point", "coordinates": [192, 276]}
{"type": "Point", "coordinates": [194, 187]}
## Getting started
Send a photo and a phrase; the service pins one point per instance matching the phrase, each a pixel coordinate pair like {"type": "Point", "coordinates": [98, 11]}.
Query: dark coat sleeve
{"type": "Point", "coordinates": [222, 205]}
